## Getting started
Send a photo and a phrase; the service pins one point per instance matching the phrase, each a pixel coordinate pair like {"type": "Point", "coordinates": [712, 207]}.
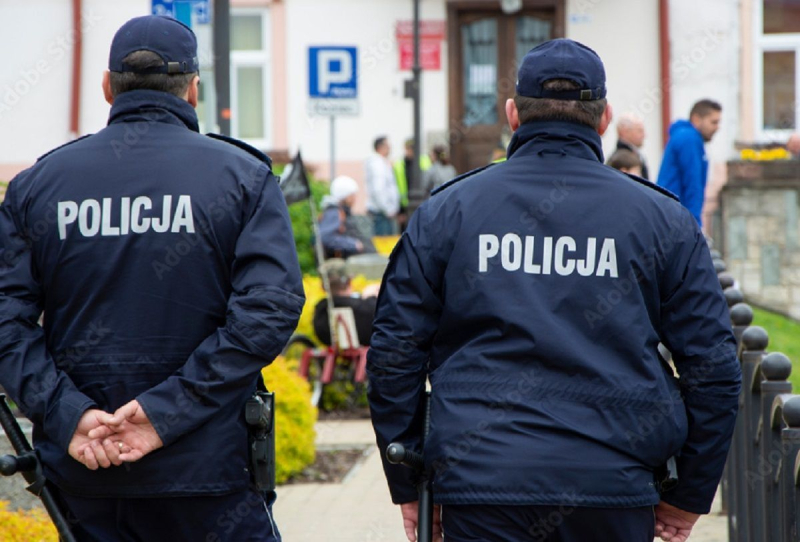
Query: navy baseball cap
{"type": "Point", "coordinates": [562, 59]}
{"type": "Point", "coordinates": [167, 37]}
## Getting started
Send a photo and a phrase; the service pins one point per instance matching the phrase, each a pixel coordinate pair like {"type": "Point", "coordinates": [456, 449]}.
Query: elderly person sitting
{"type": "Point", "coordinates": [340, 236]}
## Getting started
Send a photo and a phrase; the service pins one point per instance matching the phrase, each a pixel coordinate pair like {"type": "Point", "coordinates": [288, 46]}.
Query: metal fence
{"type": "Point", "coordinates": [760, 487]}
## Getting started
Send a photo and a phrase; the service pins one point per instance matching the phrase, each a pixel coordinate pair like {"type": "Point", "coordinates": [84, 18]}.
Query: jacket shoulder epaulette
{"type": "Point", "coordinates": [653, 186]}
{"type": "Point", "coordinates": [51, 151]}
{"type": "Point", "coordinates": [460, 178]}
{"type": "Point", "coordinates": [262, 157]}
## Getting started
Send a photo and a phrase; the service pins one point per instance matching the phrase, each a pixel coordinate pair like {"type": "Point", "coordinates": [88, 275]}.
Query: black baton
{"type": "Point", "coordinates": [397, 454]}
{"type": "Point", "coordinates": [27, 463]}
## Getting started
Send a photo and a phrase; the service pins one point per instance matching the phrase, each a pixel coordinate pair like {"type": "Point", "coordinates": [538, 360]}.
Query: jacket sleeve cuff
{"type": "Point", "coordinates": [402, 494]}
{"type": "Point", "coordinates": [687, 504]}
{"type": "Point", "coordinates": [62, 421]}
{"type": "Point", "coordinates": [164, 426]}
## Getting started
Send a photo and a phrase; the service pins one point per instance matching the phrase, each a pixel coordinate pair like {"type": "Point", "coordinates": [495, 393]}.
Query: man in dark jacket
{"type": "Point", "coordinates": [342, 294]}
{"type": "Point", "coordinates": [684, 168]}
{"type": "Point", "coordinates": [164, 263]}
{"type": "Point", "coordinates": [533, 294]}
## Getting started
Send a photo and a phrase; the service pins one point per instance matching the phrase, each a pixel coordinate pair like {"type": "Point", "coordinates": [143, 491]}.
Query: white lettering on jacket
{"type": "Point", "coordinates": [548, 255]}
{"type": "Point", "coordinates": [94, 217]}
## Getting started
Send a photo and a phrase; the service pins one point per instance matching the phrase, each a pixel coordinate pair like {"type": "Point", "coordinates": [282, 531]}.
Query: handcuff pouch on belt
{"type": "Point", "coordinates": [259, 415]}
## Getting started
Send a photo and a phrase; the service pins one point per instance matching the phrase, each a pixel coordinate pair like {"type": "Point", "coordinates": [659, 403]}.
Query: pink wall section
{"type": "Point", "coordinates": [280, 130]}
{"type": "Point", "coordinates": [8, 171]}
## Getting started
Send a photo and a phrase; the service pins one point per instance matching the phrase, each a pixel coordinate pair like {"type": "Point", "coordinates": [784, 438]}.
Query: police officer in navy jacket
{"type": "Point", "coordinates": [533, 294]}
{"type": "Point", "coordinates": [164, 263]}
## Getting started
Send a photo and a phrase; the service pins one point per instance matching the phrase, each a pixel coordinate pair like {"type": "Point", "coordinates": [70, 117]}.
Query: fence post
{"type": "Point", "coordinates": [788, 408]}
{"type": "Point", "coordinates": [741, 318]}
{"type": "Point", "coordinates": [750, 517]}
{"type": "Point", "coordinates": [726, 280]}
{"type": "Point", "coordinates": [775, 368]}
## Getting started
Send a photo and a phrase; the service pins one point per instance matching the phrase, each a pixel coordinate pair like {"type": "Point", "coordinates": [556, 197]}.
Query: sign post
{"type": "Point", "coordinates": [333, 87]}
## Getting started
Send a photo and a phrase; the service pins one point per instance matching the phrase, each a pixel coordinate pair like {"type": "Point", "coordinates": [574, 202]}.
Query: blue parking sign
{"type": "Point", "coordinates": [176, 8]}
{"type": "Point", "coordinates": [333, 72]}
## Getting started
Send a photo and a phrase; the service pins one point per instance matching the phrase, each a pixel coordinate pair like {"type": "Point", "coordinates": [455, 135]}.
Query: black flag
{"type": "Point", "coordinates": [294, 182]}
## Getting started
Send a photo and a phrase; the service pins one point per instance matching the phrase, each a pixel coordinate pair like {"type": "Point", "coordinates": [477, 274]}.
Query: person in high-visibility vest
{"type": "Point", "coordinates": [401, 167]}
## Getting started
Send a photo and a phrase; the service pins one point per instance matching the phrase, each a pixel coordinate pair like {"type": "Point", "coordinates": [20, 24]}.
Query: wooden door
{"type": "Point", "coordinates": [486, 46]}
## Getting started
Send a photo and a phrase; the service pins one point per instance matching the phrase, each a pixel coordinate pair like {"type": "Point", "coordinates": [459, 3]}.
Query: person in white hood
{"type": "Point", "coordinates": [340, 237]}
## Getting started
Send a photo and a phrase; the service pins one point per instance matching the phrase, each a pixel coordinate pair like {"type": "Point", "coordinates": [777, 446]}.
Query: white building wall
{"type": "Point", "coordinates": [34, 76]}
{"type": "Point", "coordinates": [625, 35]}
{"type": "Point", "coordinates": [35, 79]}
{"type": "Point", "coordinates": [370, 26]}
{"type": "Point", "coordinates": [705, 47]}
{"type": "Point", "coordinates": [110, 15]}
{"type": "Point", "coordinates": [36, 73]}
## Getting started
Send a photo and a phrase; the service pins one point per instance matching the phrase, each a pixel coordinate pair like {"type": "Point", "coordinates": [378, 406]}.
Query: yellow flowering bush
{"type": "Point", "coordinates": [765, 155]}
{"type": "Point", "coordinates": [25, 525]}
{"type": "Point", "coordinates": [385, 244]}
{"type": "Point", "coordinates": [294, 419]}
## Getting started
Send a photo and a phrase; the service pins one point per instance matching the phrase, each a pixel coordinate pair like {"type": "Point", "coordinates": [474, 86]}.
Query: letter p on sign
{"type": "Point", "coordinates": [333, 72]}
{"type": "Point", "coordinates": [335, 67]}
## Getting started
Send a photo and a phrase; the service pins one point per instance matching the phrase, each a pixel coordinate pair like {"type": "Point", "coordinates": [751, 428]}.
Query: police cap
{"type": "Point", "coordinates": [170, 39]}
{"type": "Point", "coordinates": [562, 59]}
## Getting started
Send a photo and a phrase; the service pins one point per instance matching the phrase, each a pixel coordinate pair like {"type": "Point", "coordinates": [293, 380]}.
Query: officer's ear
{"type": "Point", "coordinates": [605, 120]}
{"type": "Point", "coordinates": [107, 87]}
{"type": "Point", "coordinates": [193, 93]}
{"type": "Point", "coordinates": [512, 113]}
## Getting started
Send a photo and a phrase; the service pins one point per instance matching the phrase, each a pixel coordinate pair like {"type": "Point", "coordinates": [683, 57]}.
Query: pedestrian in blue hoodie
{"type": "Point", "coordinates": [684, 169]}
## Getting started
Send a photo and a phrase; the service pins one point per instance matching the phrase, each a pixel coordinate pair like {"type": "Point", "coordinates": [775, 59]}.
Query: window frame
{"type": "Point", "coordinates": [248, 59]}
{"type": "Point", "coordinates": [772, 43]}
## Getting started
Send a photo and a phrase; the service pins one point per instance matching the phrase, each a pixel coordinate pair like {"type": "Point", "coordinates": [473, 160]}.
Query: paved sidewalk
{"type": "Point", "coordinates": [357, 510]}
{"type": "Point", "coordinates": [360, 509]}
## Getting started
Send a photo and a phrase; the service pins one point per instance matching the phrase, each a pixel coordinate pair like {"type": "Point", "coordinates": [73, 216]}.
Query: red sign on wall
{"type": "Point", "coordinates": [430, 46]}
{"type": "Point", "coordinates": [430, 54]}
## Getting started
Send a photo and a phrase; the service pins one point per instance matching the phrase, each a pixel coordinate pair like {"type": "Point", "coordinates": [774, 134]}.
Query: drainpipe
{"type": "Point", "coordinates": [665, 77]}
{"type": "Point", "coordinates": [77, 55]}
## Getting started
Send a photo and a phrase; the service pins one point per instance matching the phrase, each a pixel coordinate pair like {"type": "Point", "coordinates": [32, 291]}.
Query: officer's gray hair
{"type": "Point", "coordinates": [542, 109]}
{"type": "Point", "coordinates": [176, 84]}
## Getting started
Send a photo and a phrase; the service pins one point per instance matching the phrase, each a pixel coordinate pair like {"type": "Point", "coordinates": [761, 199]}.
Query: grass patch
{"type": "Point", "coordinates": [784, 337]}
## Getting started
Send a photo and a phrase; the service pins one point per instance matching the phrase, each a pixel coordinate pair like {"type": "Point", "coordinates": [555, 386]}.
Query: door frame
{"type": "Point", "coordinates": [455, 9]}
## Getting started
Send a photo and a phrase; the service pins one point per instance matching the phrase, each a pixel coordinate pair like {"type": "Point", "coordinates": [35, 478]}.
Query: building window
{"type": "Point", "coordinates": [251, 90]}
{"type": "Point", "coordinates": [781, 17]}
{"type": "Point", "coordinates": [777, 35]}
{"type": "Point", "coordinates": [779, 90]}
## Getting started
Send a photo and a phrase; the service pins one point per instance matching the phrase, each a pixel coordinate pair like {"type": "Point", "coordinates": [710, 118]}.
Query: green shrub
{"type": "Point", "coordinates": [300, 213]}
{"type": "Point", "coordinates": [784, 337]}
{"type": "Point", "coordinates": [294, 419]}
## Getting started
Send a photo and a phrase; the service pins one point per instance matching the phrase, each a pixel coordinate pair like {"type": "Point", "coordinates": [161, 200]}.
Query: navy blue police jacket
{"type": "Point", "coordinates": [164, 263]}
{"type": "Point", "coordinates": [534, 294]}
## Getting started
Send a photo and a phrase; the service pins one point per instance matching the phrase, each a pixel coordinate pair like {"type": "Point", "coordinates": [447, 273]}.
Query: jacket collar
{"type": "Point", "coordinates": [565, 138]}
{"type": "Point", "coordinates": [153, 106]}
